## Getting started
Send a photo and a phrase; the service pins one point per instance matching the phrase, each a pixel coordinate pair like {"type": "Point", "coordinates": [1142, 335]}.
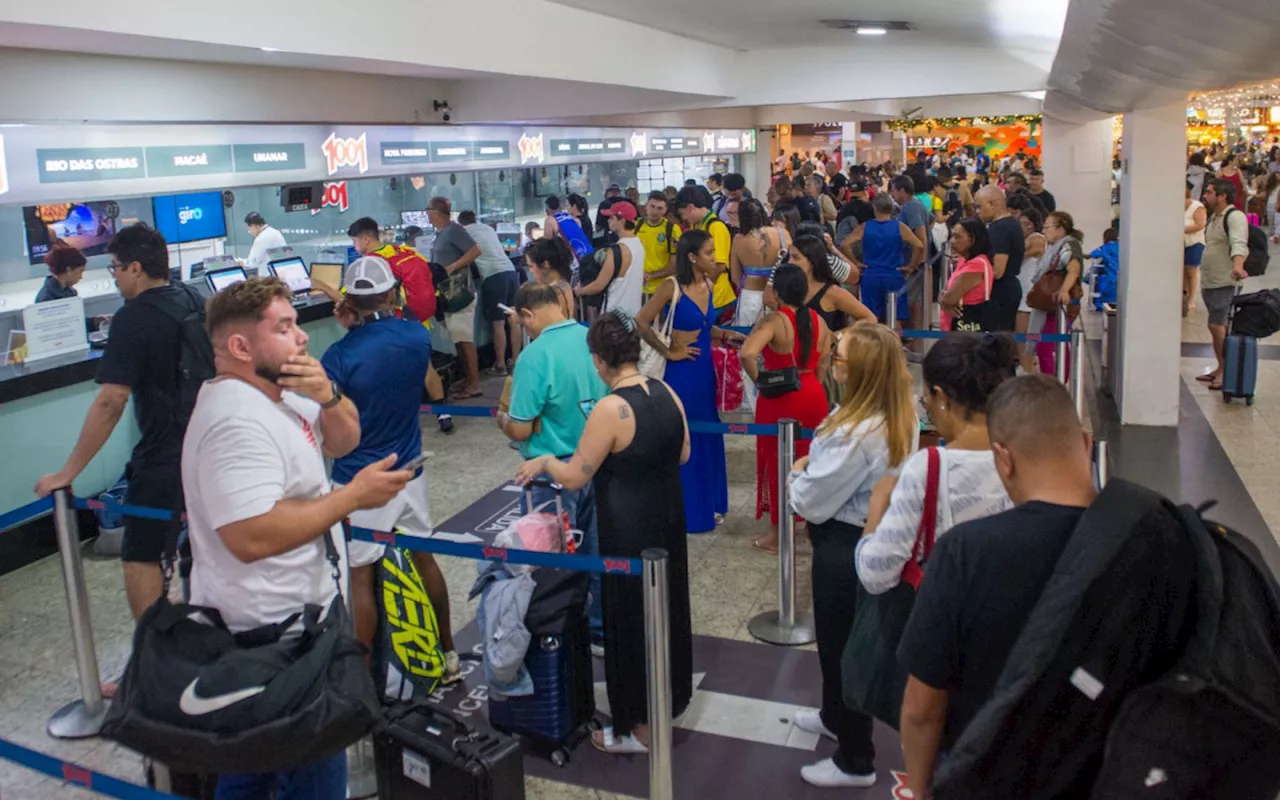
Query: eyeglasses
{"type": "Point", "coordinates": [115, 266]}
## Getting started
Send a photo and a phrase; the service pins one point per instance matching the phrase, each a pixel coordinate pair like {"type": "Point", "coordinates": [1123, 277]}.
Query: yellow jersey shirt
{"type": "Point", "coordinates": [722, 294]}
{"type": "Point", "coordinates": [659, 247]}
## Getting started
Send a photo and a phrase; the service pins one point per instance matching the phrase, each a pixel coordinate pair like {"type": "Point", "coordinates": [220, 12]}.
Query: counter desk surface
{"type": "Point", "coordinates": [18, 381]}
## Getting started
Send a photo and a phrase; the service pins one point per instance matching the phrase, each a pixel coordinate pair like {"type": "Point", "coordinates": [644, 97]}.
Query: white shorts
{"type": "Point", "coordinates": [1027, 278]}
{"type": "Point", "coordinates": [409, 513]}
{"type": "Point", "coordinates": [462, 325]}
{"type": "Point", "coordinates": [750, 308]}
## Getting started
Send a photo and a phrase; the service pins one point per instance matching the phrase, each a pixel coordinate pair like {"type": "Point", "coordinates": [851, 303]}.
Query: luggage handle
{"type": "Point", "coordinates": [469, 733]}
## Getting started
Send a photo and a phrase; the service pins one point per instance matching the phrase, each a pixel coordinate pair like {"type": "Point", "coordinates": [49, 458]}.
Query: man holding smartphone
{"type": "Point", "coordinates": [380, 364]}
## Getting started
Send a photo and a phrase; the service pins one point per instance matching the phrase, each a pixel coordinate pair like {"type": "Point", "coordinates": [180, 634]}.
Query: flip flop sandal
{"type": "Point", "coordinates": [755, 545]}
{"type": "Point", "coordinates": [468, 395]}
{"type": "Point", "coordinates": [1207, 377]}
{"type": "Point", "coordinates": [624, 746]}
{"type": "Point", "coordinates": [1216, 386]}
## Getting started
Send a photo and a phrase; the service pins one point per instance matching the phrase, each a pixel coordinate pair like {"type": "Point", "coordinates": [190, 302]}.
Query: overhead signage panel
{"type": "Point", "coordinates": [404, 152]}
{"type": "Point", "coordinates": [167, 162]}
{"type": "Point", "coordinates": [75, 164]}
{"type": "Point", "coordinates": [270, 157]}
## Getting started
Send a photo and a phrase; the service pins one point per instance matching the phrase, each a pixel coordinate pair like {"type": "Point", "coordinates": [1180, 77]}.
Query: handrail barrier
{"type": "Point", "coordinates": [73, 774]}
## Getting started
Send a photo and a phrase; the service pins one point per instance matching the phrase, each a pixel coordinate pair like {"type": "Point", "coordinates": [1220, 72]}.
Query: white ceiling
{"type": "Point", "coordinates": [757, 24]}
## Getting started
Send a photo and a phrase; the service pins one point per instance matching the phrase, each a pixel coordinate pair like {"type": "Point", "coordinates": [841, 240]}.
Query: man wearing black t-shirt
{"type": "Point", "coordinates": [1007, 249]}
{"type": "Point", "coordinates": [1036, 180]}
{"type": "Point", "coordinates": [965, 623]}
{"type": "Point", "coordinates": [141, 360]}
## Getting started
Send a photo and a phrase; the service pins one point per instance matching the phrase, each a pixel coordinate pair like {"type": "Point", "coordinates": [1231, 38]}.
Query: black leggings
{"type": "Point", "coordinates": [835, 596]}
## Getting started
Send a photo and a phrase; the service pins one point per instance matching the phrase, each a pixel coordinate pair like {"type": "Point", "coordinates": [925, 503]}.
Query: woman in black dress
{"type": "Point", "coordinates": [640, 505]}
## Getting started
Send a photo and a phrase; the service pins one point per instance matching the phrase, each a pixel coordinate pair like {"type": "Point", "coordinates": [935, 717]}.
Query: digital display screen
{"type": "Point", "coordinates": [293, 271]}
{"type": "Point", "coordinates": [190, 217]}
{"type": "Point", "coordinates": [418, 218]}
{"type": "Point", "coordinates": [222, 278]}
{"type": "Point", "coordinates": [510, 241]}
{"type": "Point", "coordinates": [89, 227]}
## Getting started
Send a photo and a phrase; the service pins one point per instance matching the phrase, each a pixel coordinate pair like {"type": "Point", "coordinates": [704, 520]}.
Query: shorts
{"type": "Point", "coordinates": [495, 289]}
{"type": "Point", "coordinates": [158, 487]}
{"type": "Point", "coordinates": [1192, 255]}
{"type": "Point", "coordinates": [1218, 303]}
{"type": "Point", "coordinates": [408, 513]}
{"type": "Point", "coordinates": [461, 325]}
{"type": "Point", "coordinates": [1027, 280]}
{"type": "Point", "coordinates": [876, 284]}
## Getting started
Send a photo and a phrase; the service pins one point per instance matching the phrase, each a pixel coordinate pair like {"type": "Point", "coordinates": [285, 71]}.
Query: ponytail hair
{"type": "Point", "coordinates": [792, 287]}
{"type": "Point", "coordinates": [1067, 224]}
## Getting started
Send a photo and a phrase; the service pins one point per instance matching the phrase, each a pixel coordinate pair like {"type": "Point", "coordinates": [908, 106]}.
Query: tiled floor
{"type": "Point", "coordinates": [731, 583]}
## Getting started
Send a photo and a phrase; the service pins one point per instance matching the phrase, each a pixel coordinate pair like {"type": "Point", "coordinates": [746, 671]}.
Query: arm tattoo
{"type": "Point", "coordinates": [624, 412]}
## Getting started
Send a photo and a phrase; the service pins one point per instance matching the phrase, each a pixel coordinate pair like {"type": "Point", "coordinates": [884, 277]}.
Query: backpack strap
{"type": "Point", "coordinates": [926, 533]}
{"type": "Point", "coordinates": [671, 226]}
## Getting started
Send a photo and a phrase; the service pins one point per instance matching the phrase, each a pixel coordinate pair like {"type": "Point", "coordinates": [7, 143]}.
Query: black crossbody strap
{"type": "Point", "coordinates": [331, 555]}
{"type": "Point", "coordinates": [170, 558]}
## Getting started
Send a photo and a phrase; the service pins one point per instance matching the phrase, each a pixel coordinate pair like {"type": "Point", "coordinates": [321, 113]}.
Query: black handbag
{"type": "Point", "coordinates": [778, 382]}
{"type": "Point", "coordinates": [873, 680]}
{"type": "Point", "coordinates": [197, 697]}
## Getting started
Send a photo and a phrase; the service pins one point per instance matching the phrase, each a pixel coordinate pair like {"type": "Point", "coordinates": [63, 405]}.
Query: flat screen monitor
{"type": "Point", "coordinates": [220, 279]}
{"type": "Point", "coordinates": [184, 218]}
{"type": "Point", "coordinates": [89, 227]}
{"type": "Point", "coordinates": [510, 241]}
{"type": "Point", "coordinates": [418, 218]}
{"type": "Point", "coordinates": [330, 274]}
{"type": "Point", "coordinates": [293, 271]}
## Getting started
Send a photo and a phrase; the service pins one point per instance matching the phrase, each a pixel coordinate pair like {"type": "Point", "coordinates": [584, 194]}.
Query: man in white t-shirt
{"type": "Point", "coordinates": [265, 238]}
{"type": "Point", "coordinates": [257, 494]}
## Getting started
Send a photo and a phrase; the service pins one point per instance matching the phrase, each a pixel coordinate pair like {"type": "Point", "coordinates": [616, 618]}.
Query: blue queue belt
{"type": "Point", "coordinates": [475, 552]}
{"type": "Point", "coordinates": [73, 774]}
{"type": "Point", "coordinates": [24, 513]}
{"type": "Point", "coordinates": [727, 428]}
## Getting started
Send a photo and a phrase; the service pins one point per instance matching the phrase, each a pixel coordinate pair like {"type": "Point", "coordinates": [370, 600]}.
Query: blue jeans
{"type": "Point", "coordinates": [580, 505]}
{"type": "Point", "coordinates": [322, 780]}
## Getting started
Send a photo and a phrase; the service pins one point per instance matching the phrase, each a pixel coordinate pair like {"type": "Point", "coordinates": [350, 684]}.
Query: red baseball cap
{"type": "Point", "coordinates": [621, 209]}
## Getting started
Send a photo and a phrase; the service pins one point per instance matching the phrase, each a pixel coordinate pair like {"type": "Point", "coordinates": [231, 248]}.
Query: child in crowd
{"type": "Point", "coordinates": [1107, 271]}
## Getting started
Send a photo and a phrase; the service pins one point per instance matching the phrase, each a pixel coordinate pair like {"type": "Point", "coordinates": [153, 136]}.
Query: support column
{"type": "Point", "coordinates": [1152, 188]}
{"type": "Point", "coordinates": [848, 145]}
{"type": "Point", "coordinates": [1077, 170]}
{"type": "Point", "coordinates": [758, 168]}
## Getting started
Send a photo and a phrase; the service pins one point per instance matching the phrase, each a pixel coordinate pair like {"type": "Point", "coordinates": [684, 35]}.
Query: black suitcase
{"type": "Point", "coordinates": [425, 753]}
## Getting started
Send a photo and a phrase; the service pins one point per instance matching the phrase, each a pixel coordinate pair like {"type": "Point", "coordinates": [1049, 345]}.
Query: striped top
{"type": "Point", "coordinates": [973, 490]}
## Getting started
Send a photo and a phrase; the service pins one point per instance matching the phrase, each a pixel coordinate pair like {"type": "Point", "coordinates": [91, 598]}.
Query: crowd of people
{"type": "Point", "coordinates": [799, 286]}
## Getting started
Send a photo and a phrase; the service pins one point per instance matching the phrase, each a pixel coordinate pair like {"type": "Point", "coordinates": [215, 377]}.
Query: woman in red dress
{"type": "Point", "coordinates": [792, 336]}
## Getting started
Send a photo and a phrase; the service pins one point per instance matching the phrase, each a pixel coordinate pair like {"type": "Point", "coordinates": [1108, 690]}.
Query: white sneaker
{"type": "Point", "coordinates": [809, 720]}
{"type": "Point", "coordinates": [826, 774]}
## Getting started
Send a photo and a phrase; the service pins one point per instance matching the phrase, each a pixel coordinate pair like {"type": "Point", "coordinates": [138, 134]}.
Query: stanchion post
{"type": "Point", "coordinates": [785, 626]}
{"type": "Point", "coordinates": [657, 631]}
{"type": "Point", "coordinates": [1060, 368]}
{"type": "Point", "coordinates": [926, 292]}
{"type": "Point", "coordinates": [891, 309]}
{"type": "Point", "coordinates": [81, 718]}
{"type": "Point", "coordinates": [1077, 370]}
{"type": "Point", "coordinates": [1102, 468]}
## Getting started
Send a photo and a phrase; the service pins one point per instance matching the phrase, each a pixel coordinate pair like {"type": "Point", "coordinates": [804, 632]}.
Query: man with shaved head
{"type": "Point", "coordinates": [985, 577]}
{"type": "Point", "coordinates": [1007, 250]}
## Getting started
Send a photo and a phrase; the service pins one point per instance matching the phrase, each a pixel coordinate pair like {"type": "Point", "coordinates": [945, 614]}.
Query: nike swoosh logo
{"type": "Point", "coordinates": [195, 706]}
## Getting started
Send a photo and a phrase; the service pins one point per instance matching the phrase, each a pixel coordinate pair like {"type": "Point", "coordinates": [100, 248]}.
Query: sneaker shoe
{"type": "Point", "coordinates": [809, 720]}
{"type": "Point", "coordinates": [446, 423]}
{"type": "Point", "coordinates": [452, 669]}
{"type": "Point", "coordinates": [597, 648]}
{"type": "Point", "coordinates": [826, 774]}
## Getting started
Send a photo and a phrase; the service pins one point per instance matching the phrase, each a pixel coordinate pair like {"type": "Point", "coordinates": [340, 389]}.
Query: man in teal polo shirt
{"type": "Point", "coordinates": [554, 388]}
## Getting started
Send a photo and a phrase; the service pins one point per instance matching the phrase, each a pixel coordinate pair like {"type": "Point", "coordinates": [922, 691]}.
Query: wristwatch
{"type": "Point", "coordinates": [333, 401]}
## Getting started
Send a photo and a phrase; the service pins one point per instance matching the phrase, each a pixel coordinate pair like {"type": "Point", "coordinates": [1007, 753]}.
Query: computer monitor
{"type": "Point", "coordinates": [418, 218]}
{"type": "Point", "coordinates": [510, 241]}
{"type": "Point", "coordinates": [293, 271]}
{"type": "Point", "coordinates": [330, 274]}
{"type": "Point", "coordinates": [220, 279]}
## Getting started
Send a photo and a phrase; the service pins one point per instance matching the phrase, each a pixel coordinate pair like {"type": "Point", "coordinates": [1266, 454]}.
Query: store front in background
{"type": "Point", "coordinates": [998, 136]}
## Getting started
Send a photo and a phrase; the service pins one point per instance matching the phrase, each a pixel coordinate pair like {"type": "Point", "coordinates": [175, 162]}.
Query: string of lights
{"type": "Point", "coordinates": [1249, 96]}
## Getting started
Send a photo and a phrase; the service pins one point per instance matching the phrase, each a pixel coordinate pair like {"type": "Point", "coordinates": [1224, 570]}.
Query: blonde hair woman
{"type": "Point", "coordinates": [867, 437]}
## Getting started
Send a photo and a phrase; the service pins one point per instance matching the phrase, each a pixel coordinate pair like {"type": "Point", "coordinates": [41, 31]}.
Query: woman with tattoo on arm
{"type": "Point", "coordinates": [639, 505]}
{"type": "Point", "coordinates": [691, 373]}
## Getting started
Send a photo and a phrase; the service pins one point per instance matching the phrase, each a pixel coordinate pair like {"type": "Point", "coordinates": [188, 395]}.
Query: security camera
{"type": "Point", "coordinates": [442, 106]}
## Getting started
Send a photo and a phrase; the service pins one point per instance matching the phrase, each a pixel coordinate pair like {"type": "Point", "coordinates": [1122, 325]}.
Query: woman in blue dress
{"type": "Point", "coordinates": [691, 373]}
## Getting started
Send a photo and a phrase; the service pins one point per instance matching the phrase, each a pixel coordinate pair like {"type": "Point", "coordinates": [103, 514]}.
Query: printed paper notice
{"type": "Point", "coordinates": [54, 328]}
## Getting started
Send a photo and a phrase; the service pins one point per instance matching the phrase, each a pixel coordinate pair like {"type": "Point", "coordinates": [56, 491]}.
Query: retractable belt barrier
{"type": "Point", "coordinates": [727, 428]}
{"type": "Point", "coordinates": [83, 718]}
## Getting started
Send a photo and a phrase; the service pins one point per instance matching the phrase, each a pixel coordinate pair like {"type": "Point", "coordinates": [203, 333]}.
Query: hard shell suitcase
{"type": "Point", "coordinates": [425, 753]}
{"type": "Point", "coordinates": [557, 716]}
{"type": "Point", "coordinates": [1240, 362]}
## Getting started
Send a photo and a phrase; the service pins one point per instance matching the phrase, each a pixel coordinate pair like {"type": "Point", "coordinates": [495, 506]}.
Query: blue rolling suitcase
{"type": "Point", "coordinates": [1240, 363]}
{"type": "Point", "coordinates": [558, 715]}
